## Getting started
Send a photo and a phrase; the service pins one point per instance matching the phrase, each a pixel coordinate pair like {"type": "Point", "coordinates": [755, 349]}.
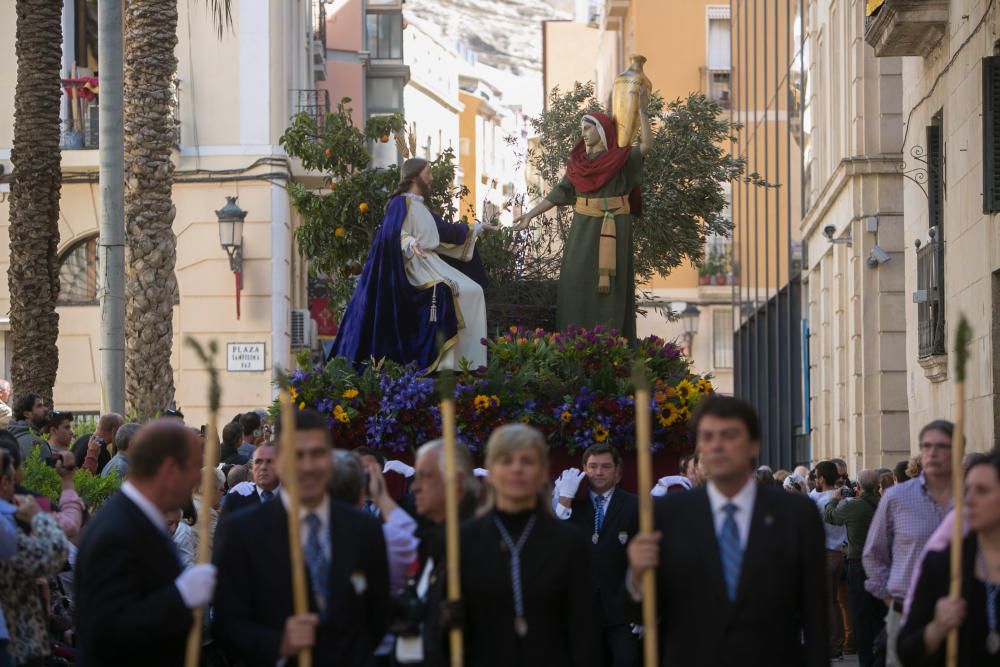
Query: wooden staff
{"type": "Point", "coordinates": [962, 336]}
{"type": "Point", "coordinates": [452, 553]}
{"type": "Point", "coordinates": [208, 485]}
{"type": "Point", "coordinates": [643, 440]}
{"type": "Point", "coordinates": [290, 484]}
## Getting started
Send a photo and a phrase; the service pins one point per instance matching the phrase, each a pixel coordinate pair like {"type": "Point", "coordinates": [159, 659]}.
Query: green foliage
{"type": "Point", "coordinates": [93, 489]}
{"type": "Point", "coordinates": [683, 174]}
{"type": "Point", "coordinates": [341, 221]}
{"type": "Point", "coordinates": [84, 426]}
{"type": "Point", "coordinates": [963, 334]}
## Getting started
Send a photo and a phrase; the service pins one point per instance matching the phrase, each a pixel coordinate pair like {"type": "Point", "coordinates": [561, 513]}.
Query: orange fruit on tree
{"type": "Point", "coordinates": [340, 232]}
{"type": "Point", "coordinates": [363, 207]}
{"type": "Point", "coordinates": [332, 186]}
{"type": "Point", "coordinates": [328, 152]}
{"type": "Point", "coordinates": [384, 138]}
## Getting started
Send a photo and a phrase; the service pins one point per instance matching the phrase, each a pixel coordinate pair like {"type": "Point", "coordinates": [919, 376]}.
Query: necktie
{"type": "Point", "coordinates": [318, 563]}
{"type": "Point", "coordinates": [731, 551]}
{"type": "Point", "coordinates": [265, 496]}
{"type": "Point", "coordinates": [598, 514]}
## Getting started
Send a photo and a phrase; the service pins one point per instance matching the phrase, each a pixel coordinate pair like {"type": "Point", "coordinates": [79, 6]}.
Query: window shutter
{"type": "Point", "coordinates": [935, 178]}
{"type": "Point", "coordinates": [991, 134]}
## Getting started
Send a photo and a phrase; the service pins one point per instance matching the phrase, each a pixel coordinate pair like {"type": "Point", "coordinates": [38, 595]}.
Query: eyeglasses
{"type": "Point", "coordinates": [937, 446]}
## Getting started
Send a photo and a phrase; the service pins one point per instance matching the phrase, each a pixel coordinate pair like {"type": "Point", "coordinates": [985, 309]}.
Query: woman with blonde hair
{"type": "Point", "coordinates": [525, 574]}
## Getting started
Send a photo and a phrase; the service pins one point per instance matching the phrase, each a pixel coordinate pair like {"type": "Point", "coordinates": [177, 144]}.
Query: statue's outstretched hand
{"type": "Point", "coordinates": [521, 222]}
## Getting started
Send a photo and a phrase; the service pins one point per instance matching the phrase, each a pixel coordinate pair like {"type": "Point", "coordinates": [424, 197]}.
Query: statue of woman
{"type": "Point", "coordinates": [597, 277]}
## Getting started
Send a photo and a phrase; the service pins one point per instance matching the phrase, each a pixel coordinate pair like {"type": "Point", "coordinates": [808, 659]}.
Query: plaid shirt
{"type": "Point", "coordinates": [905, 519]}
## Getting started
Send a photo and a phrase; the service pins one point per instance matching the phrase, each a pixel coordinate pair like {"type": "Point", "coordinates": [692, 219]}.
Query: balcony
{"type": "Point", "coordinates": [717, 86]}
{"type": "Point", "coordinates": [906, 27]}
{"type": "Point", "coordinates": [81, 130]}
{"type": "Point", "coordinates": [315, 103]}
{"type": "Point", "coordinates": [319, 39]}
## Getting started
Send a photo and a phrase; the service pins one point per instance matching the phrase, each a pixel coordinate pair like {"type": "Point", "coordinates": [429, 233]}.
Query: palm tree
{"type": "Point", "coordinates": [33, 275]}
{"type": "Point", "coordinates": [151, 247]}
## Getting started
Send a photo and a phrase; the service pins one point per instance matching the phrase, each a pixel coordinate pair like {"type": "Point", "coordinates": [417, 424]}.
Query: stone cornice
{"type": "Point", "coordinates": [858, 165]}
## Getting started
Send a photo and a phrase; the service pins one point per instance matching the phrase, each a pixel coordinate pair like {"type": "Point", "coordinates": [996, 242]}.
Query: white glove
{"type": "Point", "coordinates": [243, 489]}
{"type": "Point", "coordinates": [481, 472]}
{"type": "Point", "coordinates": [196, 585]}
{"type": "Point", "coordinates": [569, 482]}
{"type": "Point", "coordinates": [664, 483]}
{"type": "Point", "coordinates": [400, 467]}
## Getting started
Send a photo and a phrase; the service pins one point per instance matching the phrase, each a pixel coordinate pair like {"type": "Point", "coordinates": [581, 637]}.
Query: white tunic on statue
{"type": "Point", "coordinates": [419, 227]}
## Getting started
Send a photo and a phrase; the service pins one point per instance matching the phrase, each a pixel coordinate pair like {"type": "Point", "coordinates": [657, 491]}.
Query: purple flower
{"type": "Point", "coordinates": [299, 376]}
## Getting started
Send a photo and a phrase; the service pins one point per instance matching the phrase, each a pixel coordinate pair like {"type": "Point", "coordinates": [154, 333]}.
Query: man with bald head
{"type": "Point", "coordinates": [6, 414]}
{"type": "Point", "coordinates": [867, 613]}
{"type": "Point", "coordinates": [97, 444]}
{"type": "Point", "coordinates": [131, 592]}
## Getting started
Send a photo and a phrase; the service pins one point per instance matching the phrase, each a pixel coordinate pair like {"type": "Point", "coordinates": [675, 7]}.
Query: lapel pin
{"type": "Point", "coordinates": [359, 582]}
{"type": "Point", "coordinates": [623, 537]}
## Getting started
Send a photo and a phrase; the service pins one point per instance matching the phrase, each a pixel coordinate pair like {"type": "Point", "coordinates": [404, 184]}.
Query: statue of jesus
{"type": "Point", "coordinates": [597, 276]}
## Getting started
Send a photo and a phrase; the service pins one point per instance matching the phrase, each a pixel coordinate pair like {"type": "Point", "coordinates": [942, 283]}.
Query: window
{"type": "Point", "coordinates": [718, 38]}
{"type": "Point", "coordinates": [385, 95]}
{"type": "Point", "coordinates": [991, 134]}
{"type": "Point", "coordinates": [78, 274]}
{"type": "Point", "coordinates": [719, 58]}
{"type": "Point", "coordinates": [722, 338]}
{"type": "Point", "coordinates": [385, 36]}
{"type": "Point", "coordinates": [929, 296]}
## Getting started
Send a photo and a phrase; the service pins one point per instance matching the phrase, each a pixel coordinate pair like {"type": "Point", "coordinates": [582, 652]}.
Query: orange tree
{"type": "Point", "coordinates": [340, 219]}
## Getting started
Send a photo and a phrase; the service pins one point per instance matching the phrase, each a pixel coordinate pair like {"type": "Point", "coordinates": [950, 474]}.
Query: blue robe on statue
{"type": "Point", "coordinates": [388, 317]}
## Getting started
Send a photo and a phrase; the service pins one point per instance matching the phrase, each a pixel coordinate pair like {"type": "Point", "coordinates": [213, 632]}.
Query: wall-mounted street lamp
{"type": "Point", "coordinates": [690, 317]}
{"type": "Point", "coordinates": [231, 219]}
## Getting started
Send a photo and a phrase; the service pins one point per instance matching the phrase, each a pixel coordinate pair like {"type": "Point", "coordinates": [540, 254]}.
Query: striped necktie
{"type": "Point", "coordinates": [598, 514]}
{"type": "Point", "coordinates": [730, 550]}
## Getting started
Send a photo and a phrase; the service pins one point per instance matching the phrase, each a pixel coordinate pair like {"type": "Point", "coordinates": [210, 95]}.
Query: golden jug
{"type": "Point", "coordinates": [625, 100]}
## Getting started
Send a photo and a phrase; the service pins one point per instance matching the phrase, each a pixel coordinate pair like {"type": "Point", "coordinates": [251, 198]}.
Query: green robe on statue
{"type": "Point", "coordinates": [578, 301]}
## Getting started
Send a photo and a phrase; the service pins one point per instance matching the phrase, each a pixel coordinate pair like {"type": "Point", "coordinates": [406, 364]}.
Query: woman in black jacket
{"type": "Point", "coordinates": [976, 612]}
{"type": "Point", "coordinates": [525, 575]}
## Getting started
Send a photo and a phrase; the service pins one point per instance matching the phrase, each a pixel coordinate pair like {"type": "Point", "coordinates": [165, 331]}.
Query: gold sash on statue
{"type": "Point", "coordinates": [605, 208]}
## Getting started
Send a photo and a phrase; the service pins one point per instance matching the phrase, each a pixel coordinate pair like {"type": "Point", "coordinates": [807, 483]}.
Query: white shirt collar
{"type": "Point", "coordinates": [323, 511]}
{"type": "Point", "coordinates": [414, 196]}
{"type": "Point", "coordinates": [743, 500]}
{"type": "Point", "coordinates": [606, 495]}
{"type": "Point", "coordinates": [151, 511]}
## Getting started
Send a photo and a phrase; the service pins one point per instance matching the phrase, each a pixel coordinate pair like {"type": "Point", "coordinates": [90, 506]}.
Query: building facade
{"type": "Point", "coordinates": [951, 252]}
{"type": "Point", "coordinates": [235, 96]}
{"type": "Point", "coordinates": [853, 280]}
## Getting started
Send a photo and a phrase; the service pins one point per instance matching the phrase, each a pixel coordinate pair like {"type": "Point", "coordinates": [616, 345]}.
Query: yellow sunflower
{"type": "Point", "coordinates": [481, 402]}
{"type": "Point", "coordinates": [341, 415]}
{"type": "Point", "coordinates": [684, 390]}
{"type": "Point", "coordinates": [565, 416]}
{"type": "Point", "coordinates": [600, 433]}
{"type": "Point", "coordinates": [669, 415]}
{"type": "Point", "coordinates": [350, 393]}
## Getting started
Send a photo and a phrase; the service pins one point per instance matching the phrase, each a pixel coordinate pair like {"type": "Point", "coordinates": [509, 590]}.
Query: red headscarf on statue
{"type": "Point", "coordinates": [591, 174]}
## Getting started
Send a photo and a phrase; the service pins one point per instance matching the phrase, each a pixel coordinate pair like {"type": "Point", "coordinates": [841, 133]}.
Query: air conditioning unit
{"type": "Point", "coordinates": [303, 329]}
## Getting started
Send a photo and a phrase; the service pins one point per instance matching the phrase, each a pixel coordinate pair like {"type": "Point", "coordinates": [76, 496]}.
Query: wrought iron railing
{"type": "Point", "coordinates": [929, 296]}
{"type": "Point", "coordinates": [314, 102]}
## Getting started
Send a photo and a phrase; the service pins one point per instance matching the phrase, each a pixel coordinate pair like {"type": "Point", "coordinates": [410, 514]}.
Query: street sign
{"type": "Point", "coordinates": [244, 357]}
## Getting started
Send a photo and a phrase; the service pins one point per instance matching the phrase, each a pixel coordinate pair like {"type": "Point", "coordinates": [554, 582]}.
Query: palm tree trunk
{"type": "Point", "coordinates": [33, 275]}
{"type": "Point", "coordinates": [151, 247]}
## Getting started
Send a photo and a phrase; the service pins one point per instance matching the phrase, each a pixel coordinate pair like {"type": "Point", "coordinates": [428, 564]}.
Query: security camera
{"type": "Point", "coordinates": [828, 231]}
{"type": "Point", "coordinates": [878, 256]}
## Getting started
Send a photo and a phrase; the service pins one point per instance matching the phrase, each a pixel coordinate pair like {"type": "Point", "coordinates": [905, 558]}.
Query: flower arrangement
{"type": "Point", "coordinates": [574, 386]}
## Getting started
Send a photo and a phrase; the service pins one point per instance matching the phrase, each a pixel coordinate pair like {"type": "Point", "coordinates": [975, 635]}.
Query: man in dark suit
{"type": "Point", "coordinates": [346, 566]}
{"type": "Point", "coordinates": [133, 601]}
{"type": "Point", "coordinates": [610, 517]}
{"type": "Point", "coordinates": [263, 488]}
{"type": "Point", "coordinates": [740, 568]}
